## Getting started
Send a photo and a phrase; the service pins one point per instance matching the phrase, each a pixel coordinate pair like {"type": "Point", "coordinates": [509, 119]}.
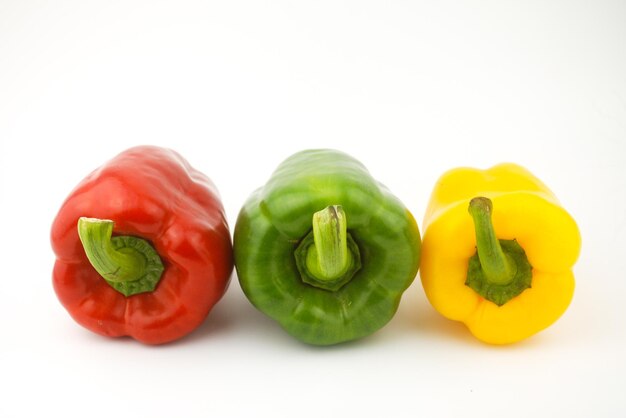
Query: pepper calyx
{"type": "Point", "coordinates": [328, 257]}
{"type": "Point", "coordinates": [127, 263]}
{"type": "Point", "coordinates": [499, 270]}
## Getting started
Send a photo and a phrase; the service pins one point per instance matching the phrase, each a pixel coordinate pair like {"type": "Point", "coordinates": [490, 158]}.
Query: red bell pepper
{"type": "Point", "coordinates": [143, 248]}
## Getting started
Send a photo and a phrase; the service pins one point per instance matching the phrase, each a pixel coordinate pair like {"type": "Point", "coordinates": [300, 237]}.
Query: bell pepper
{"type": "Point", "coordinates": [498, 252]}
{"type": "Point", "coordinates": [143, 248]}
{"type": "Point", "coordinates": [324, 249]}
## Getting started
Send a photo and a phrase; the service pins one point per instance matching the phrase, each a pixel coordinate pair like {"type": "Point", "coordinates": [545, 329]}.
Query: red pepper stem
{"type": "Point", "coordinates": [129, 264]}
{"type": "Point", "coordinates": [496, 265]}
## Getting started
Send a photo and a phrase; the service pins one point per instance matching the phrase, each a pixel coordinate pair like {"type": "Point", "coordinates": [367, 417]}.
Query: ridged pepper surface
{"type": "Point", "coordinates": [142, 247]}
{"type": "Point", "coordinates": [498, 252]}
{"type": "Point", "coordinates": [324, 249]}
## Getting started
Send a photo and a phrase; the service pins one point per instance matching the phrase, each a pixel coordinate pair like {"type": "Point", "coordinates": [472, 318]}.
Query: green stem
{"type": "Point", "coordinates": [328, 257]}
{"type": "Point", "coordinates": [499, 271]}
{"type": "Point", "coordinates": [129, 264]}
{"type": "Point", "coordinates": [497, 267]}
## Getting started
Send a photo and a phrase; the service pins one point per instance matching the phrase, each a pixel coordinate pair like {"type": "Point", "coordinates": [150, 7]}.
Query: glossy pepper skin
{"type": "Point", "coordinates": [524, 210]}
{"type": "Point", "coordinates": [273, 227]}
{"type": "Point", "coordinates": [154, 196]}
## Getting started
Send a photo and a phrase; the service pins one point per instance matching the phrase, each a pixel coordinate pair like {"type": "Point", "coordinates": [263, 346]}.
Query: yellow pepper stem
{"type": "Point", "coordinates": [499, 270]}
{"type": "Point", "coordinates": [497, 266]}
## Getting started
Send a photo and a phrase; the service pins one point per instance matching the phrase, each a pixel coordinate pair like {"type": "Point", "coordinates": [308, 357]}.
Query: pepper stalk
{"type": "Point", "coordinates": [129, 264]}
{"type": "Point", "coordinates": [328, 257]}
{"type": "Point", "coordinates": [499, 270]}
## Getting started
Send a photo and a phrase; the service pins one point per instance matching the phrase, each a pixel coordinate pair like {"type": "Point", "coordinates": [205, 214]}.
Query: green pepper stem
{"type": "Point", "coordinates": [496, 266]}
{"type": "Point", "coordinates": [129, 264]}
{"type": "Point", "coordinates": [330, 257]}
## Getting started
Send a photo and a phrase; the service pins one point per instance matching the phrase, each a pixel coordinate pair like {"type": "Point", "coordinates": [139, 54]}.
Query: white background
{"type": "Point", "coordinates": [411, 89]}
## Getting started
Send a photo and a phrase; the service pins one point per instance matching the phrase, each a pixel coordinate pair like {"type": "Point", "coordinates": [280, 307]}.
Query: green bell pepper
{"type": "Point", "coordinates": [324, 249]}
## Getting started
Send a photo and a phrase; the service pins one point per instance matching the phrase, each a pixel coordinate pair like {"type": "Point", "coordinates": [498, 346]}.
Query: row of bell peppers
{"type": "Point", "coordinates": [143, 249]}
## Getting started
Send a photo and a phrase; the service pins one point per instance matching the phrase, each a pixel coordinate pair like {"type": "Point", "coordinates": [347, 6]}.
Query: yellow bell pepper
{"type": "Point", "coordinates": [498, 252]}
